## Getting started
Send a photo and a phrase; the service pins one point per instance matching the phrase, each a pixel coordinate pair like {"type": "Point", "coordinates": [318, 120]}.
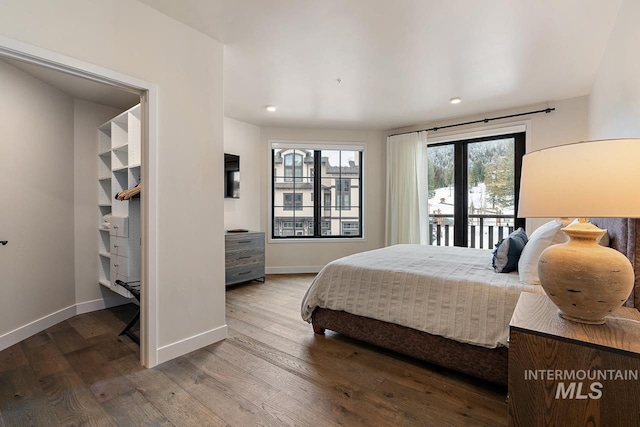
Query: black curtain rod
{"type": "Point", "coordinates": [436, 128]}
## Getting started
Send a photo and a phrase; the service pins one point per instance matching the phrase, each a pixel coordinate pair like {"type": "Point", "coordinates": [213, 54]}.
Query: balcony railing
{"type": "Point", "coordinates": [484, 230]}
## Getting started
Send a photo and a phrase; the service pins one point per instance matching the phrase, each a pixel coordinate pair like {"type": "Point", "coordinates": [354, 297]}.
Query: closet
{"type": "Point", "coordinates": [119, 201]}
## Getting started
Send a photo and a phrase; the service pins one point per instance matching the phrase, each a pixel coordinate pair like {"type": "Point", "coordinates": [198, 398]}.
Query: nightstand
{"type": "Point", "coordinates": [563, 373]}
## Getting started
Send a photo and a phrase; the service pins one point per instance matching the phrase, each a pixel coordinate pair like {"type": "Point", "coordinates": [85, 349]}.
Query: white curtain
{"type": "Point", "coordinates": [407, 211]}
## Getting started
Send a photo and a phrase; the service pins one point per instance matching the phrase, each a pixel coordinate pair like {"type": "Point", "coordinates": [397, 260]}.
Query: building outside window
{"type": "Point", "coordinates": [327, 200]}
{"type": "Point", "coordinates": [349, 228]}
{"type": "Point", "coordinates": [343, 194]}
{"type": "Point", "coordinates": [292, 201]}
{"type": "Point", "coordinates": [301, 171]}
{"type": "Point", "coordinates": [293, 167]}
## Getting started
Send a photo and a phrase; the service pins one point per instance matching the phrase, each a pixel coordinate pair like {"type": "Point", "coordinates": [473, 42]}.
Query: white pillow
{"type": "Point", "coordinates": [543, 237]}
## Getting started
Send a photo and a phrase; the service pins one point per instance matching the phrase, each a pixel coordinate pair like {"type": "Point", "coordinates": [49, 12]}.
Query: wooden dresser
{"type": "Point", "coordinates": [563, 373]}
{"type": "Point", "coordinates": [244, 257]}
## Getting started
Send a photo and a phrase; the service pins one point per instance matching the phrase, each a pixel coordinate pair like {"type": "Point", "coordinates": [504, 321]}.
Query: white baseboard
{"type": "Point", "coordinates": [187, 345]}
{"type": "Point", "coordinates": [164, 354]}
{"type": "Point", "coordinates": [294, 269]}
{"type": "Point", "coordinates": [39, 325]}
{"type": "Point", "coordinates": [100, 304]}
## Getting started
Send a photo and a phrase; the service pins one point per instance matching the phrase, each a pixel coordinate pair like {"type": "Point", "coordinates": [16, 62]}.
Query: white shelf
{"type": "Point", "coordinates": [119, 169]}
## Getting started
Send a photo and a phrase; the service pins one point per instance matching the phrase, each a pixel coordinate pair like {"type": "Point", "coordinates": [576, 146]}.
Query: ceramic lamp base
{"type": "Point", "coordinates": [584, 280]}
{"type": "Point", "coordinates": [601, 321]}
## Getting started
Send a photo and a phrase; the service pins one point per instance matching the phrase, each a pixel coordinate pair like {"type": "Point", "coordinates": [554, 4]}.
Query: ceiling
{"type": "Point", "coordinates": [380, 64]}
{"type": "Point", "coordinates": [78, 87]}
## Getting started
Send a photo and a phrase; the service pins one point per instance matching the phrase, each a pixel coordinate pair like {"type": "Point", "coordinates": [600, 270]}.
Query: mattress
{"type": "Point", "coordinates": [448, 291]}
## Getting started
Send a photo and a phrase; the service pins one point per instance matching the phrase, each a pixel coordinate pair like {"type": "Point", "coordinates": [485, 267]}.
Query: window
{"type": "Point", "coordinates": [343, 194]}
{"type": "Point", "coordinates": [289, 204]}
{"type": "Point", "coordinates": [300, 172]}
{"type": "Point", "coordinates": [473, 190]}
{"type": "Point", "coordinates": [293, 167]}
{"type": "Point", "coordinates": [327, 201]}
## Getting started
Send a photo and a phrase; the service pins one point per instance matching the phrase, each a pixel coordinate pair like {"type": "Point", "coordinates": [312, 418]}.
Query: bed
{"type": "Point", "coordinates": [382, 297]}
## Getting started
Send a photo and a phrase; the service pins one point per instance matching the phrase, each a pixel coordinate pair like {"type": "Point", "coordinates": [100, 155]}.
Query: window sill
{"type": "Point", "coordinates": [319, 240]}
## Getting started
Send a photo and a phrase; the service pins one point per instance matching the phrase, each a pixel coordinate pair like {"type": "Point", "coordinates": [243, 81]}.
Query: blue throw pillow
{"type": "Point", "coordinates": [507, 251]}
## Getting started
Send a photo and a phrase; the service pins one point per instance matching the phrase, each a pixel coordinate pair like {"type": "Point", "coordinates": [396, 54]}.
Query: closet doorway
{"type": "Point", "coordinates": [42, 264]}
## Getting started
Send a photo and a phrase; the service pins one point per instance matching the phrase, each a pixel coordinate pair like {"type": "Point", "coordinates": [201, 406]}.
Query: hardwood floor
{"type": "Point", "coordinates": [271, 371]}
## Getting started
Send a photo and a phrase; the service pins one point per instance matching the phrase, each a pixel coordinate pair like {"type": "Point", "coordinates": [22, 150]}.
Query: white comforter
{"type": "Point", "coordinates": [447, 291]}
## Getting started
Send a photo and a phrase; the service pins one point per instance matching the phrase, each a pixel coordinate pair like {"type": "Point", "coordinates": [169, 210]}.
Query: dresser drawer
{"type": "Point", "coordinates": [115, 287]}
{"type": "Point", "coordinates": [244, 242]}
{"type": "Point", "coordinates": [119, 226]}
{"type": "Point", "coordinates": [244, 273]}
{"type": "Point", "coordinates": [119, 246]}
{"type": "Point", "coordinates": [243, 258]}
{"type": "Point", "coordinates": [119, 267]}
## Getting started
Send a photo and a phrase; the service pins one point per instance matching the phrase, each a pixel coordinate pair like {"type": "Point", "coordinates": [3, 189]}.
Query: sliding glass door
{"type": "Point", "coordinates": [473, 190]}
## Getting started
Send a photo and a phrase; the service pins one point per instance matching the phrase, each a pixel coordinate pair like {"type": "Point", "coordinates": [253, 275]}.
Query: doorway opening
{"type": "Point", "coordinates": [102, 86]}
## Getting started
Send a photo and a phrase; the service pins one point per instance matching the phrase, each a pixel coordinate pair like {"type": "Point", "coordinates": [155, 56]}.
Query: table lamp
{"type": "Point", "coordinates": [585, 280]}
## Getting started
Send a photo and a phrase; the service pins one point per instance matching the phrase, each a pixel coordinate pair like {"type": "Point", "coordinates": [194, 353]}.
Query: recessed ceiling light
{"type": "Point", "coordinates": [455, 100]}
{"type": "Point", "coordinates": [271, 108]}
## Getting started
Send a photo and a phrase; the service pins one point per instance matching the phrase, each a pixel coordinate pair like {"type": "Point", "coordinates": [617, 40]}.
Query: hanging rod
{"type": "Point", "coordinates": [436, 128]}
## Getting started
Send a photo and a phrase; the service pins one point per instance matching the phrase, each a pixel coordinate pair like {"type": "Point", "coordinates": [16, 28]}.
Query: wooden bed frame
{"type": "Point", "coordinates": [485, 363]}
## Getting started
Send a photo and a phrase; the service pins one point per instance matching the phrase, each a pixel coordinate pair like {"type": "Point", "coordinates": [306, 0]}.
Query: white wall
{"type": "Point", "coordinates": [614, 107]}
{"type": "Point", "coordinates": [87, 117]}
{"type": "Point", "coordinates": [288, 256]}
{"type": "Point", "coordinates": [243, 139]}
{"type": "Point", "coordinates": [567, 124]}
{"type": "Point", "coordinates": [131, 38]}
{"type": "Point", "coordinates": [36, 186]}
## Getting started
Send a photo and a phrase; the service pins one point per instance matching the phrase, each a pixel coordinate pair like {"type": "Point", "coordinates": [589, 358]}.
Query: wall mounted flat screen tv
{"type": "Point", "coordinates": [231, 176]}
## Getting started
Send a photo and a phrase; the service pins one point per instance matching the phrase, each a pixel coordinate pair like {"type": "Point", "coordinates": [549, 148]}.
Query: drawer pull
{"type": "Point", "coordinates": [115, 246]}
{"type": "Point", "coordinates": [244, 257]}
{"type": "Point", "coordinates": [115, 265]}
{"type": "Point", "coordinates": [244, 241]}
{"type": "Point", "coordinates": [243, 273]}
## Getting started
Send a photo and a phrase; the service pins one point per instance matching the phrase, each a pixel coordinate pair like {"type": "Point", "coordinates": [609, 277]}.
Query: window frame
{"type": "Point", "coordinates": [320, 212]}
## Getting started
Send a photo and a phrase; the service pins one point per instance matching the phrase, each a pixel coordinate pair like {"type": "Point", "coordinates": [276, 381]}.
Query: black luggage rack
{"type": "Point", "coordinates": [134, 288]}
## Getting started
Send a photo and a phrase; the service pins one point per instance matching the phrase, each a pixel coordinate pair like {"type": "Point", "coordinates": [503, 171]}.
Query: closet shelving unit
{"type": "Point", "coordinates": [118, 170]}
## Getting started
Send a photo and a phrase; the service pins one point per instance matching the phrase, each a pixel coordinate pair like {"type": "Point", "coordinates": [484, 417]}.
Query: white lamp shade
{"type": "Point", "coordinates": [585, 179]}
